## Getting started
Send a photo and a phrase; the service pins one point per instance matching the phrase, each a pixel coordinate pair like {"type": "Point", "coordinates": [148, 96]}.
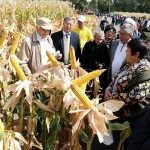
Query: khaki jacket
{"type": "Point", "coordinates": [30, 54]}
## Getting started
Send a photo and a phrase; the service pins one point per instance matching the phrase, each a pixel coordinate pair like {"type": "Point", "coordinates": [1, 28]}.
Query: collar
{"type": "Point", "coordinates": [64, 33]}
{"type": "Point", "coordinates": [39, 37]}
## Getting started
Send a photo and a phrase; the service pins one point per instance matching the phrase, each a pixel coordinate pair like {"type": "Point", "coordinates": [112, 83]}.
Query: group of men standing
{"type": "Point", "coordinates": [101, 51]}
{"type": "Point", "coordinates": [34, 47]}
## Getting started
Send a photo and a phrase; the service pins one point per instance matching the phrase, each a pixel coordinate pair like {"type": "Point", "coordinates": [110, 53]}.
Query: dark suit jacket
{"type": "Point", "coordinates": [140, 139]}
{"type": "Point", "coordinates": [57, 38]}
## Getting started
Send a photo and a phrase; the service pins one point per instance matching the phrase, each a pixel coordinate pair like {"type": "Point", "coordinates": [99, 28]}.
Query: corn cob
{"type": "Point", "coordinates": [18, 69]}
{"type": "Point", "coordinates": [73, 58]}
{"type": "Point", "coordinates": [15, 44]}
{"type": "Point", "coordinates": [83, 86]}
{"type": "Point", "coordinates": [52, 59]}
{"type": "Point", "coordinates": [81, 96]}
{"type": "Point", "coordinates": [2, 40]}
{"type": "Point", "coordinates": [87, 77]}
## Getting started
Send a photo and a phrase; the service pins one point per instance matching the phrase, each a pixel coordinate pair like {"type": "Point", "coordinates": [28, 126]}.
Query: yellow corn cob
{"type": "Point", "coordinates": [73, 58]}
{"type": "Point", "coordinates": [87, 77]}
{"type": "Point", "coordinates": [18, 69]}
{"type": "Point", "coordinates": [83, 86]}
{"type": "Point", "coordinates": [81, 96]}
{"type": "Point", "coordinates": [52, 59]}
{"type": "Point", "coordinates": [15, 44]}
{"type": "Point", "coordinates": [2, 40]}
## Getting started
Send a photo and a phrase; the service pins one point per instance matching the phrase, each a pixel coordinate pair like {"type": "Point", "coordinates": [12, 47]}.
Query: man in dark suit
{"type": "Point", "coordinates": [63, 39]}
{"type": "Point", "coordinates": [140, 138]}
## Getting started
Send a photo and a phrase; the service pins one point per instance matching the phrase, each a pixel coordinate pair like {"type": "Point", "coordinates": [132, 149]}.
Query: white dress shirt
{"type": "Point", "coordinates": [119, 57]}
{"type": "Point", "coordinates": [45, 46]}
{"type": "Point", "coordinates": [66, 40]}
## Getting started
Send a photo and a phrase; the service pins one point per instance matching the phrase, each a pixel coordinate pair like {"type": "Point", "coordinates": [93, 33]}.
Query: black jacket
{"type": "Point", "coordinates": [140, 139]}
{"type": "Point", "coordinates": [93, 57]}
{"type": "Point", "coordinates": [57, 38]}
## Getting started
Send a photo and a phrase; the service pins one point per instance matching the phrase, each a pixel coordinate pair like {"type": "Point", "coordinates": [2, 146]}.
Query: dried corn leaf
{"type": "Point", "coordinates": [113, 105]}
{"type": "Point", "coordinates": [14, 145]}
{"type": "Point", "coordinates": [43, 107]}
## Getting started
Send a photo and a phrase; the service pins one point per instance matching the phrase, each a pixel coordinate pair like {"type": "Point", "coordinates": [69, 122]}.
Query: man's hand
{"type": "Point", "coordinates": [58, 55]}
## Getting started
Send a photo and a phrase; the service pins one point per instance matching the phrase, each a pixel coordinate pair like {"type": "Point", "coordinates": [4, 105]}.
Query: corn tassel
{"type": "Point", "coordinates": [81, 96]}
{"type": "Point", "coordinates": [73, 58]}
{"type": "Point", "coordinates": [2, 40]}
{"type": "Point", "coordinates": [15, 44]}
{"type": "Point", "coordinates": [18, 69]}
{"type": "Point", "coordinates": [52, 59]}
{"type": "Point", "coordinates": [87, 77]}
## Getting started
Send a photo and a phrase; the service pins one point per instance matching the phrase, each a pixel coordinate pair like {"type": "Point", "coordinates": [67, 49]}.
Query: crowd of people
{"type": "Point", "coordinates": [125, 56]}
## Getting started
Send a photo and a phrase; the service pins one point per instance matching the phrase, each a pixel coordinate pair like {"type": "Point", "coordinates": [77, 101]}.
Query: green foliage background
{"type": "Point", "coordinates": [113, 5]}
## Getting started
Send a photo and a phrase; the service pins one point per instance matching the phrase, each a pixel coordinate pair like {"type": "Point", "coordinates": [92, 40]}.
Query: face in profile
{"type": "Point", "coordinates": [124, 36]}
{"type": "Point", "coordinates": [131, 58]}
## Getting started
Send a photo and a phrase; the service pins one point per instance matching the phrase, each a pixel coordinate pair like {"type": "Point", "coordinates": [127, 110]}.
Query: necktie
{"type": "Point", "coordinates": [121, 48]}
{"type": "Point", "coordinates": [66, 36]}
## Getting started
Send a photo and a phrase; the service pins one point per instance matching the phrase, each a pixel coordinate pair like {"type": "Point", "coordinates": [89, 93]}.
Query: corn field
{"type": "Point", "coordinates": [137, 15]}
{"type": "Point", "coordinates": [49, 109]}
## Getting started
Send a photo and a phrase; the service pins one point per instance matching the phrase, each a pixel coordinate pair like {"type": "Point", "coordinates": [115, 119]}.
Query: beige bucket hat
{"type": "Point", "coordinates": [44, 23]}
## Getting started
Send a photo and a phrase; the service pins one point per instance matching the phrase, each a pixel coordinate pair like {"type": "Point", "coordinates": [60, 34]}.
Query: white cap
{"type": "Point", "coordinates": [130, 20]}
{"type": "Point", "coordinates": [82, 18]}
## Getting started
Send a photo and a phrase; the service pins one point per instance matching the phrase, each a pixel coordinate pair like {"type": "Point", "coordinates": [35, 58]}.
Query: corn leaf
{"type": "Point", "coordinates": [113, 105]}
{"type": "Point", "coordinates": [123, 136]}
{"type": "Point", "coordinates": [20, 137]}
{"type": "Point", "coordinates": [55, 127]}
{"type": "Point", "coordinates": [2, 136]}
{"type": "Point", "coordinates": [85, 138]}
{"type": "Point", "coordinates": [51, 140]}
{"type": "Point", "coordinates": [118, 126]}
{"type": "Point", "coordinates": [42, 106]}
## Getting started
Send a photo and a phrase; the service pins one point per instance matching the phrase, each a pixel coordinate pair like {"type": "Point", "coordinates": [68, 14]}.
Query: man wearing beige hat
{"type": "Point", "coordinates": [34, 47]}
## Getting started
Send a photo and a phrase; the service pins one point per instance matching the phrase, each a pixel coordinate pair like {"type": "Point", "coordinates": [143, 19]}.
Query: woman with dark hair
{"type": "Point", "coordinates": [110, 34]}
{"type": "Point", "coordinates": [132, 84]}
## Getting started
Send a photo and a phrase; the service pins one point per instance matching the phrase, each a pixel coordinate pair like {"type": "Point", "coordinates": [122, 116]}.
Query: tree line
{"type": "Point", "coordinates": [105, 6]}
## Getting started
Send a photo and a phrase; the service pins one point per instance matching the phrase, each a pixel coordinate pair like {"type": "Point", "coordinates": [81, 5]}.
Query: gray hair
{"type": "Point", "coordinates": [68, 19]}
{"type": "Point", "coordinates": [128, 28]}
{"type": "Point", "coordinates": [99, 33]}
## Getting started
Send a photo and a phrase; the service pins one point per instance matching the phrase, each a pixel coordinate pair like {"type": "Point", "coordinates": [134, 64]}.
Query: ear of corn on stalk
{"type": "Point", "coordinates": [2, 40]}
{"type": "Point", "coordinates": [52, 59]}
{"type": "Point", "coordinates": [83, 86]}
{"type": "Point", "coordinates": [73, 58]}
{"type": "Point", "coordinates": [15, 44]}
{"type": "Point", "coordinates": [18, 69]}
{"type": "Point", "coordinates": [81, 96]}
{"type": "Point", "coordinates": [87, 77]}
